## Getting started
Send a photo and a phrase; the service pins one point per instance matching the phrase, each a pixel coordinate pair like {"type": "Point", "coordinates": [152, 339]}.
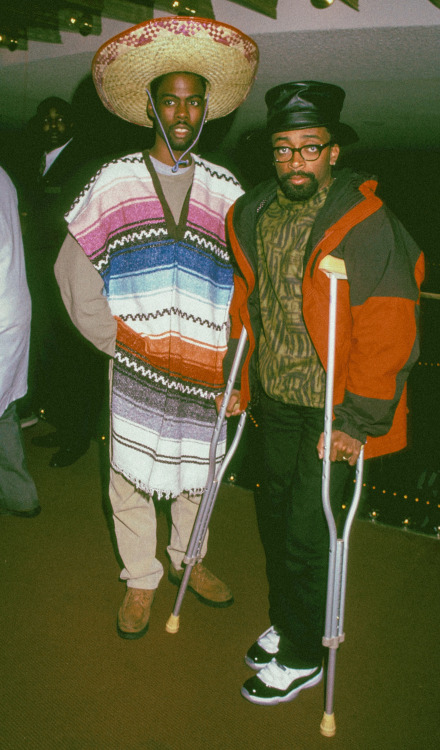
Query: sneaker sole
{"type": "Point", "coordinates": [256, 667]}
{"type": "Point", "coordinates": [209, 602]}
{"type": "Point", "coordinates": [281, 698]}
{"type": "Point", "coordinates": [22, 513]}
{"type": "Point", "coordinates": [131, 636]}
{"type": "Point", "coordinates": [28, 422]}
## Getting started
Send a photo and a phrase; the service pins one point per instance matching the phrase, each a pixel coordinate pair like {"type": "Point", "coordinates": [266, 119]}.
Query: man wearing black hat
{"type": "Point", "coordinates": [280, 231]}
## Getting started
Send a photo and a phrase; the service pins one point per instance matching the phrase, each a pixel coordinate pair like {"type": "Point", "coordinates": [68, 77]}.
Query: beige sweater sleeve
{"type": "Point", "coordinates": [81, 289]}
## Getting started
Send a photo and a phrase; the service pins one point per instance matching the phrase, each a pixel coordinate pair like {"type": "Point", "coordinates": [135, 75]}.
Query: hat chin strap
{"type": "Point", "coordinates": [181, 162]}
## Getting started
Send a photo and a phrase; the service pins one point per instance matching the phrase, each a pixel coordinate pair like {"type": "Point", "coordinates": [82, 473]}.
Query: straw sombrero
{"type": "Point", "coordinates": [124, 67]}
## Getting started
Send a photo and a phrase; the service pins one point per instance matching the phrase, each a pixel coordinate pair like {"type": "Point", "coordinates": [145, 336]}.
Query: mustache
{"type": "Point", "coordinates": [179, 124]}
{"type": "Point", "coordinates": [286, 177]}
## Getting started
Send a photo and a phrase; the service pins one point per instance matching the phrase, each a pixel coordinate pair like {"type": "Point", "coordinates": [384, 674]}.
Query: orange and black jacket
{"type": "Point", "coordinates": [377, 312]}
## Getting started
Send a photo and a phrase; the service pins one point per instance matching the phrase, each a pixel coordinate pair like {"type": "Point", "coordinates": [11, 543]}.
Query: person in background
{"type": "Point", "coordinates": [279, 232]}
{"type": "Point", "coordinates": [145, 275]}
{"type": "Point", "coordinates": [67, 374]}
{"type": "Point", "coordinates": [18, 494]}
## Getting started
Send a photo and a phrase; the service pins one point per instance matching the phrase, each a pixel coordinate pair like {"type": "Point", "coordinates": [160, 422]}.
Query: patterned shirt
{"type": "Point", "coordinates": [290, 370]}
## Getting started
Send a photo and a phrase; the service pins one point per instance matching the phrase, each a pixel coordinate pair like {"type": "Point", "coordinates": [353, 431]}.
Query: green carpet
{"type": "Point", "coordinates": [69, 683]}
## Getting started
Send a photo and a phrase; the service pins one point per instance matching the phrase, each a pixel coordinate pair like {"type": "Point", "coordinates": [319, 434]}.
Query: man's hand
{"type": "Point", "coordinates": [233, 407]}
{"type": "Point", "coordinates": [342, 448]}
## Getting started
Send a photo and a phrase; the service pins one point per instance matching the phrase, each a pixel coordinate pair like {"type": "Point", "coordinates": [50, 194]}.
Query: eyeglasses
{"type": "Point", "coordinates": [309, 152]}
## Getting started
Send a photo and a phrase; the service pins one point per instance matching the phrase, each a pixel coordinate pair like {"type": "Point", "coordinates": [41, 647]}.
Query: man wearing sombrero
{"type": "Point", "coordinates": [279, 232]}
{"type": "Point", "coordinates": [146, 277]}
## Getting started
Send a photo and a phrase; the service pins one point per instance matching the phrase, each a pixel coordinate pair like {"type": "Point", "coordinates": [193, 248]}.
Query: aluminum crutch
{"type": "Point", "coordinates": [338, 548]}
{"type": "Point", "coordinates": [214, 480]}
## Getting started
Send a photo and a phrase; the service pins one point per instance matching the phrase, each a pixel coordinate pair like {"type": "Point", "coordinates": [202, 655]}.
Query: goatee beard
{"type": "Point", "coordinates": [181, 145]}
{"type": "Point", "coordinates": [298, 192]}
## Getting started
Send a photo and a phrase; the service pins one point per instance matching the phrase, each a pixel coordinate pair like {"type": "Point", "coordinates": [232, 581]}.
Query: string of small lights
{"type": "Point", "coordinates": [412, 510]}
{"type": "Point", "coordinates": [416, 509]}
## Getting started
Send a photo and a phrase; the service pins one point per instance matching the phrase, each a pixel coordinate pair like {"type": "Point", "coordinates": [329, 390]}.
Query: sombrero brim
{"type": "Point", "coordinates": [124, 66]}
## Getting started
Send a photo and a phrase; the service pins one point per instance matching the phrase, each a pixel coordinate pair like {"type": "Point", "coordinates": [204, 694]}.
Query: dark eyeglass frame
{"type": "Point", "coordinates": [319, 146]}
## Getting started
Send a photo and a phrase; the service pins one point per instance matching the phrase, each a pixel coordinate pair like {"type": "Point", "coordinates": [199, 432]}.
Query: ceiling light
{"type": "Point", "coordinates": [183, 10]}
{"type": "Point", "coordinates": [85, 25]}
{"type": "Point", "coordinates": [9, 40]}
{"type": "Point", "coordinates": [351, 3]}
{"type": "Point", "coordinates": [321, 3]}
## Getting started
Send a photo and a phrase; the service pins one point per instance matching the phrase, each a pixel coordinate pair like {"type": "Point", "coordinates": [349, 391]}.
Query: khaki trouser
{"type": "Point", "coordinates": [135, 526]}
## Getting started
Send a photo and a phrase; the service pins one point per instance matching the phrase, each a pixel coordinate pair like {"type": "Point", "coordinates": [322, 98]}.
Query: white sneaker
{"type": "Point", "coordinates": [276, 683]}
{"type": "Point", "coordinates": [264, 649]}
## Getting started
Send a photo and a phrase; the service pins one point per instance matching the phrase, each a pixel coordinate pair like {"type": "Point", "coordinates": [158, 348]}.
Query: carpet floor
{"type": "Point", "coordinates": [68, 682]}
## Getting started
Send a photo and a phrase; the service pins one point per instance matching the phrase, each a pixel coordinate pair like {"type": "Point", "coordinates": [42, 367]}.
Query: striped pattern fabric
{"type": "Point", "coordinates": [169, 289]}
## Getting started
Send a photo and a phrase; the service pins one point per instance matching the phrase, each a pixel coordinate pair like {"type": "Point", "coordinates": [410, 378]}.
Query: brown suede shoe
{"type": "Point", "coordinates": [134, 613]}
{"type": "Point", "coordinates": [205, 585]}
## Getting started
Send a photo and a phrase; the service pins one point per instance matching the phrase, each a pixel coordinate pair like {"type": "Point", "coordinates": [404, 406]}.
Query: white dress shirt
{"type": "Point", "coordinates": [15, 301]}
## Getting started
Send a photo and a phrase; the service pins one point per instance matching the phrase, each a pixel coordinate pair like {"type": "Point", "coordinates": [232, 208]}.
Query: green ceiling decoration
{"type": "Point", "coordinates": [44, 20]}
{"type": "Point", "coordinates": [352, 3]}
{"type": "Point", "coordinates": [22, 21]}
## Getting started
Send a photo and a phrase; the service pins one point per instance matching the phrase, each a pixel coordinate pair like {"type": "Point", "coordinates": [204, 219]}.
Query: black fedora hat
{"type": "Point", "coordinates": [298, 105]}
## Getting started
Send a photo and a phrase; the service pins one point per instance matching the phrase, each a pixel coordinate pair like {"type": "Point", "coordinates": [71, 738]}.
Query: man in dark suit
{"type": "Point", "coordinates": [70, 375]}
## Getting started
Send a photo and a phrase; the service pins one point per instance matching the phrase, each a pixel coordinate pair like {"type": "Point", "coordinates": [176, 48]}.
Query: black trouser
{"type": "Point", "coordinates": [72, 381]}
{"type": "Point", "coordinates": [293, 527]}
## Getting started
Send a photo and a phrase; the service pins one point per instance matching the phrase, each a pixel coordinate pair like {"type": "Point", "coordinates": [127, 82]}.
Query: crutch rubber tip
{"type": "Point", "coordinates": [172, 625]}
{"type": "Point", "coordinates": [328, 726]}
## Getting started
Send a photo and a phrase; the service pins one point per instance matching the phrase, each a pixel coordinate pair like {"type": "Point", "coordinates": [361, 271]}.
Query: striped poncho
{"type": "Point", "coordinates": [169, 288]}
